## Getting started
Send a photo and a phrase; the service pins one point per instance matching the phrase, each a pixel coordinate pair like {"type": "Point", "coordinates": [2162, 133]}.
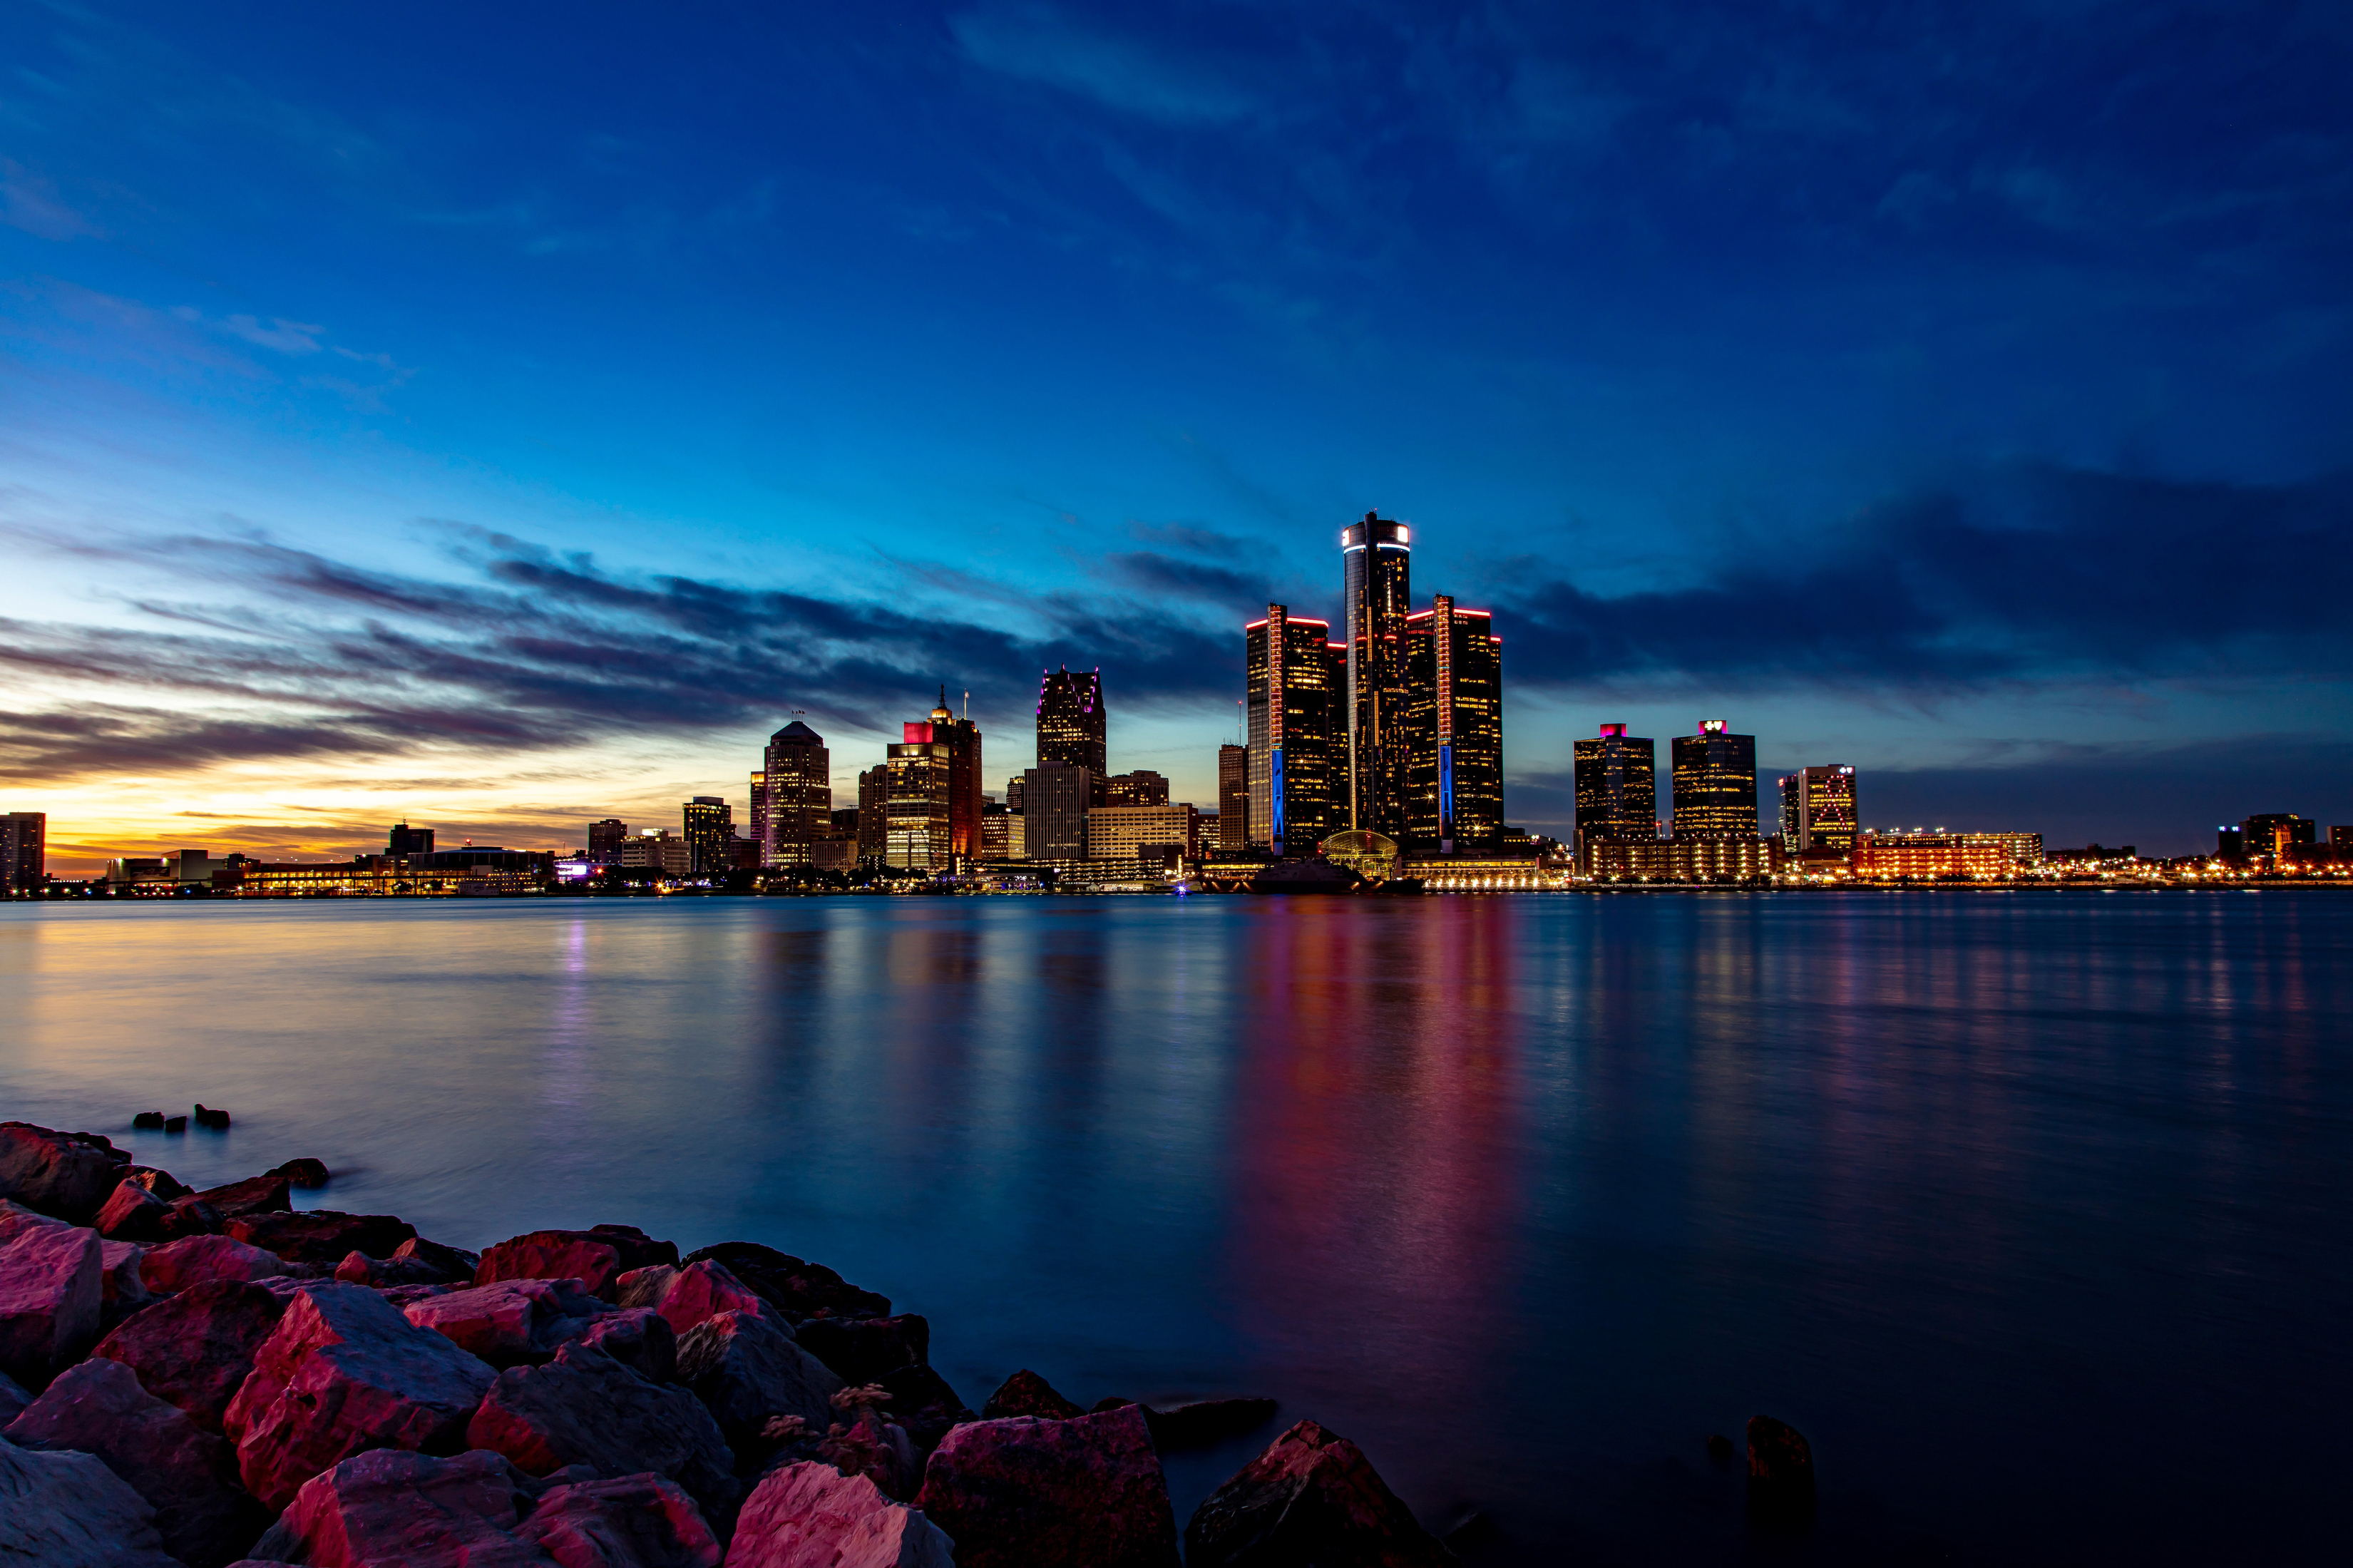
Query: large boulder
{"type": "Point", "coordinates": [810, 1515]}
{"type": "Point", "coordinates": [455, 1264]}
{"type": "Point", "coordinates": [629, 1522]}
{"type": "Point", "coordinates": [122, 1283]}
{"type": "Point", "coordinates": [186, 1474]}
{"type": "Point", "coordinates": [52, 1284]}
{"type": "Point", "coordinates": [66, 1175]}
{"type": "Point", "coordinates": [391, 1508]}
{"type": "Point", "coordinates": [195, 1349]}
{"type": "Point", "coordinates": [687, 1296]}
{"type": "Point", "coordinates": [191, 1215]}
{"type": "Point", "coordinates": [511, 1322]}
{"type": "Point", "coordinates": [344, 1371]}
{"type": "Point", "coordinates": [748, 1369]}
{"type": "Point", "coordinates": [1026, 1393]}
{"type": "Point", "coordinates": [1312, 1497]}
{"type": "Point", "coordinates": [923, 1404]}
{"type": "Point", "coordinates": [862, 1348]}
{"type": "Point", "coordinates": [320, 1236]}
{"type": "Point", "coordinates": [595, 1256]}
{"type": "Point", "coordinates": [638, 1337]}
{"type": "Point", "coordinates": [1079, 1493]}
{"type": "Point", "coordinates": [305, 1171]}
{"type": "Point", "coordinates": [797, 1288]}
{"type": "Point", "coordinates": [1780, 1472]}
{"type": "Point", "coordinates": [161, 1182]}
{"type": "Point", "coordinates": [193, 1259]}
{"type": "Point", "coordinates": [68, 1511]}
{"type": "Point", "coordinates": [587, 1408]}
{"type": "Point", "coordinates": [133, 1213]}
{"type": "Point", "coordinates": [255, 1194]}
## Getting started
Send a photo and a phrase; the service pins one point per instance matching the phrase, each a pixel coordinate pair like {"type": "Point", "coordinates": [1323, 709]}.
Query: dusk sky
{"type": "Point", "coordinates": [504, 416]}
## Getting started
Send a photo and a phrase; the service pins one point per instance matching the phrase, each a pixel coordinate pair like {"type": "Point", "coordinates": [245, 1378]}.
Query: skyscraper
{"type": "Point", "coordinates": [406, 840]}
{"type": "Point", "coordinates": [24, 851]}
{"type": "Point", "coordinates": [1290, 706]}
{"type": "Point", "coordinates": [710, 832]}
{"type": "Point", "coordinates": [1142, 787]}
{"type": "Point", "coordinates": [1454, 720]}
{"type": "Point", "coordinates": [605, 840]}
{"type": "Point", "coordinates": [759, 816]}
{"type": "Point", "coordinates": [798, 798]}
{"type": "Point", "coordinates": [918, 832]}
{"type": "Point", "coordinates": [1715, 783]}
{"type": "Point", "coordinates": [1377, 556]}
{"type": "Point", "coordinates": [1054, 802]}
{"type": "Point", "coordinates": [1070, 723]}
{"type": "Point", "coordinates": [873, 814]}
{"type": "Point", "coordinates": [1617, 787]}
{"type": "Point", "coordinates": [1818, 809]}
{"type": "Point", "coordinates": [965, 796]}
{"type": "Point", "coordinates": [1233, 799]}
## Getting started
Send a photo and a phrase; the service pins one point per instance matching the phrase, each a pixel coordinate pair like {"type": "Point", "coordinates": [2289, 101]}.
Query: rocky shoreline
{"type": "Point", "coordinates": [213, 1378]}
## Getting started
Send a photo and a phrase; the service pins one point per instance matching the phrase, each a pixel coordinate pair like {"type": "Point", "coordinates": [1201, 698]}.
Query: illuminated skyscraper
{"type": "Point", "coordinates": [873, 814]}
{"type": "Point", "coordinates": [964, 796]}
{"type": "Point", "coordinates": [1376, 557]}
{"type": "Point", "coordinates": [1617, 787]}
{"type": "Point", "coordinates": [710, 832]}
{"type": "Point", "coordinates": [798, 805]}
{"type": "Point", "coordinates": [1233, 799]}
{"type": "Point", "coordinates": [918, 834]}
{"type": "Point", "coordinates": [1818, 809]}
{"type": "Point", "coordinates": [1454, 717]}
{"type": "Point", "coordinates": [1054, 804]}
{"type": "Point", "coordinates": [1293, 798]}
{"type": "Point", "coordinates": [23, 850]}
{"type": "Point", "coordinates": [759, 823]}
{"type": "Point", "coordinates": [605, 840]}
{"type": "Point", "coordinates": [1070, 721]}
{"type": "Point", "coordinates": [1715, 783]}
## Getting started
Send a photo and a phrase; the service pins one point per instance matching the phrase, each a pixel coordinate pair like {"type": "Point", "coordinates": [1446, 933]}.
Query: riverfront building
{"type": "Point", "coordinates": [1292, 710]}
{"type": "Point", "coordinates": [710, 834]}
{"type": "Point", "coordinates": [1054, 812]}
{"type": "Point", "coordinates": [1617, 788]}
{"type": "Point", "coordinates": [1454, 722]}
{"type": "Point", "coordinates": [24, 851]}
{"type": "Point", "coordinates": [1071, 725]}
{"type": "Point", "coordinates": [1377, 564]}
{"type": "Point", "coordinates": [1715, 783]}
{"type": "Point", "coordinates": [1233, 799]}
{"type": "Point", "coordinates": [1817, 810]}
{"type": "Point", "coordinates": [795, 807]}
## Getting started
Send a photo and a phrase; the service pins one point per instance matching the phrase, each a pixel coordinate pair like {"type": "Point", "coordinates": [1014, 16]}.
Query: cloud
{"type": "Point", "coordinates": [1156, 81]}
{"type": "Point", "coordinates": [2032, 573]}
{"type": "Point", "coordinates": [1150, 572]}
{"type": "Point", "coordinates": [30, 203]}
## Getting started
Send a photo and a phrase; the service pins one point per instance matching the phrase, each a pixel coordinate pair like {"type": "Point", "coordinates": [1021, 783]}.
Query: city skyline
{"type": "Point", "coordinates": [405, 430]}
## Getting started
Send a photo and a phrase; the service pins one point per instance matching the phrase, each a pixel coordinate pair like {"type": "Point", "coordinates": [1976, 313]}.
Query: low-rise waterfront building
{"type": "Point", "coordinates": [1710, 857]}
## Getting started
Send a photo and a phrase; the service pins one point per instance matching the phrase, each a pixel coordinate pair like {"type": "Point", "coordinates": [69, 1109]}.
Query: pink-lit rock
{"type": "Point", "coordinates": [810, 1515]}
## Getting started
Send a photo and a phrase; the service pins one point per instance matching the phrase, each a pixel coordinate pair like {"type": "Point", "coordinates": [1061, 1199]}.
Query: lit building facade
{"type": "Point", "coordinates": [1377, 556]}
{"type": "Point", "coordinates": [1295, 754]}
{"type": "Point", "coordinates": [605, 840]}
{"type": "Point", "coordinates": [1142, 787]}
{"type": "Point", "coordinates": [1120, 832]}
{"type": "Point", "coordinates": [2277, 832]}
{"type": "Point", "coordinates": [1717, 857]}
{"type": "Point", "coordinates": [1071, 725]}
{"type": "Point", "coordinates": [918, 812]}
{"type": "Point", "coordinates": [796, 805]}
{"type": "Point", "coordinates": [873, 814]}
{"type": "Point", "coordinates": [24, 851]}
{"type": "Point", "coordinates": [1715, 783]}
{"type": "Point", "coordinates": [1454, 724]}
{"type": "Point", "coordinates": [1617, 788]}
{"type": "Point", "coordinates": [710, 832]}
{"type": "Point", "coordinates": [1055, 802]}
{"type": "Point", "coordinates": [757, 824]}
{"type": "Point", "coordinates": [406, 840]}
{"type": "Point", "coordinates": [657, 849]}
{"type": "Point", "coordinates": [1233, 799]}
{"type": "Point", "coordinates": [1818, 809]}
{"type": "Point", "coordinates": [1984, 857]}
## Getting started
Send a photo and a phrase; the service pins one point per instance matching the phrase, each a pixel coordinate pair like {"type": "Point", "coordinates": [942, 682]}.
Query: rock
{"type": "Point", "coordinates": [193, 1259]}
{"type": "Point", "coordinates": [13, 1399]}
{"type": "Point", "coordinates": [862, 1348]}
{"type": "Point", "coordinates": [132, 1212]}
{"type": "Point", "coordinates": [687, 1296]}
{"type": "Point", "coordinates": [1085, 1492]}
{"type": "Point", "coordinates": [120, 1291]}
{"type": "Point", "coordinates": [455, 1264]}
{"type": "Point", "coordinates": [1720, 1448]}
{"type": "Point", "coordinates": [212, 1117]}
{"type": "Point", "coordinates": [305, 1173]}
{"type": "Point", "coordinates": [68, 1511]}
{"type": "Point", "coordinates": [638, 1337]}
{"type": "Point", "coordinates": [746, 1369]}
{"type": "Point", "coordinates": [1312, 1497]}
{"type": "Point", "coordinates": [1026, 1393]}
{"type": "Point", "coordinates": [175, 1124]}
{"type": "Point", "coordinates": [1207, 1421]}
{"type": "Point", "coordinates": [51, 1289]}
{"type": "Point", "coordinates": [587, 1408]}
{"type": "Point", "coordinates": [162, 1183]}
{"type": "Point", "coordinates": [797, 1288]}
{"type": "Point", "coordinates": [406, 1509]}
{"type": "Point", "coordinates": [922, 1402]}
{"type": "Point", "coordinates": [195, 1349]}
{"type": "Point", "coordinates": [1118, 1401]}
{"type": "Point", "coordinates": [191, 1215]}
{"type": "Point", "coordinates": [1780, 1472]}
{"type": "Point", "coordinates": [344, 1372]}
{"type": "Point", "coordinates": [320, 1236]}
{"type": "Point", "coordinates": [148, 1122]}
{"type": "Point", "coordinates": [66, 1175]}
{"type": "Point", "coordinates": [512, 1322]}
{"type": "Point", "coordinates": [595, 1256]}
{"type": "Point", "coordinates": [630, 1522]}
{"type": "Point", "coordinates": [186, 1474]}
{"type": "Point", "coordinates": [389, 1273]}
{"type": "Point", "coordinates": [810, 1515]}
{"type": "Point", "coordinates": [255, 1194]}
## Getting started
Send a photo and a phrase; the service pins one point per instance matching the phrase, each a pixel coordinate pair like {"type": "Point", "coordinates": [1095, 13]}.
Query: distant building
{"type": "Point", "coordinates": [1142, 787]}
{"type": "Point", "coordinates": [1375, 557]}
{"type": "Point", "coordinates": [659, 849]}
{"type": "Point", "coordinates": [24, 851]}
{"type": "Point", "coordinates": [605, 840]}
{"type": "Point", "coordinates": [1454, 725]}
{"type": "Point", "coordinates": [799, 806]}
{"type": "Point", "coordinates": [873, 814]}
{"type": "Point", "coordinates": [758, 827]}
{"type": "Point", "coordinates": [1295, 751]}
{"type": "Point", "coordinates": [1013, 792]}
{"type": "Point", "coordinates": [1617, 787]}
{"type": "Point", "coordinates": [917, 830]}
{"type": "Point", "coordinates": [1056, 797]}
{"type": "Point", "coordinates": [1072, 727]}
{"type": "Point", "coordinates": [2277, 832]}
{"type": "Point", "coordinates": [1233, 799]}
{"type": "Point", "coordinates": [1984, 856]}
{"type": "Point", "coordinates": [1818, 809]}
{"type": "Point", "coordinates": [1121, 832]}
{"type": "Point", "coordinates": [2230, 842]}
{"type": "Point", "coordinates": [1715, 783]}
{"type": "Point", "coordinates": [406, 841]}
{"type": "Point", "coordinates": [1714, 858]}
{"type": "Point", "coordinates": [996, 831]}
{"type": "Point", "coordinates": [709, 830]}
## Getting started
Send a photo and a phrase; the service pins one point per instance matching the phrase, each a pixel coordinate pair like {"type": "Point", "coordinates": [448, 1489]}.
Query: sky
{"type": "Point", "coordinates": [501, 417]}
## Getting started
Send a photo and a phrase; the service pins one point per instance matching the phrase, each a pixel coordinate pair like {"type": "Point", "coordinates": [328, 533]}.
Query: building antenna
{"type": "Point", "coordinates": [968, 705]}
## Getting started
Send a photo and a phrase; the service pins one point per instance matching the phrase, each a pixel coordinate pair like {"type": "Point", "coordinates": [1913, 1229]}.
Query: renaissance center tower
{"type": "Point", "coordinates": [1377, 556]}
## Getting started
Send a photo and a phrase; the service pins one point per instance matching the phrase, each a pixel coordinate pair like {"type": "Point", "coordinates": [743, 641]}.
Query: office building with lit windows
{"type": "Point", "coordinates": [1454, 725]}
{"type": "Point", "coordinates": [1233, 799]}
{"type": "Point", "coordinates": [605, 837]}
{"type": "Point", "coordinates": [1377, 556]}
{"type": "Point", "coordinates": [795, 810]}
{"type": "Point", "coordinates": [1617, 788]}
{"type": "Point", "coordinates": [1817, 810]}
{"type": "Point", "coordinates": [1055, 800]}
{"type": "Point", "coordinates": [24, 851]}
{"type": "Point", "coordinates": [1072, 726]}
{"type": "Point", "coordinates": [710, 834]}
{"type": "Point", "coordinates": [1295, 768]}
{"type": "Point", "coordinates": [917, 835]}
{"type": "Point", "coordinates": [1715, 783]}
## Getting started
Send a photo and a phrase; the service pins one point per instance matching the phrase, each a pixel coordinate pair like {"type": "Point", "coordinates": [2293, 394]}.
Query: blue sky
{"type": "Point", "coordinates": [506, 415]}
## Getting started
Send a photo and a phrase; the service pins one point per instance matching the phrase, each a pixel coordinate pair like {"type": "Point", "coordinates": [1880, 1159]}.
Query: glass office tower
{"type": "Point", "coordinates": [1291, 708]}
{"type": "Point", "coordinates": [1818, 809]}
{"type": "Point", "coordinates": [1376, 557]}
{"type": "Point", "coordinates": [1617, 787]}
{"type": "Point", "coordinates": [1715, 783]}
{"type": "Point", "coordinates": [1071, 725]}
{"type": "Point", "coordinates": [1454, 718]}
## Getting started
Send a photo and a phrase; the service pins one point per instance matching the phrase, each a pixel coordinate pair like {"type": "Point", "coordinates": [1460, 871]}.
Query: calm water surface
{"type": "Point", "coordinates": [2030, 1210]}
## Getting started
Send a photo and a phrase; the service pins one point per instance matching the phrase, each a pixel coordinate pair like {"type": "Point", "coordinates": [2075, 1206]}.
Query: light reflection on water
{"type": "Point", "coordinates": [2028, 1209]}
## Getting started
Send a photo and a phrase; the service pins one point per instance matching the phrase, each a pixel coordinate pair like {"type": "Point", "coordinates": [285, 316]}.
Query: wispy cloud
{"type": "Point", "coordinates": [1157, 79]}
{"type": "Point", "coordinates": [30, 203]}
